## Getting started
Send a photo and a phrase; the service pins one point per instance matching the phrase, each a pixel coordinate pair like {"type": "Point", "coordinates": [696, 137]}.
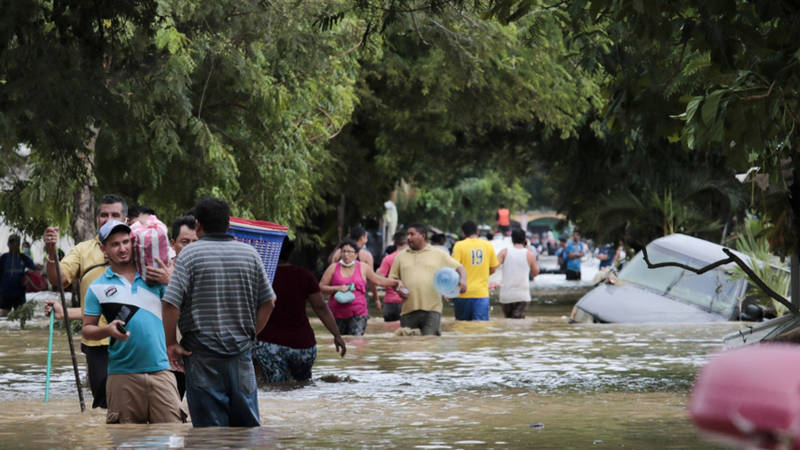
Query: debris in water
{"type": "Point", "coordinates": [537, 425]}
{"type": "Point", "coordinates": [175, 441]}
{"type": "Point", "coordinates": [405, 331]}
{"type": "Point", "coordinates": [337, 379]}
{"type": "Point", "coordinates": [597, 442]}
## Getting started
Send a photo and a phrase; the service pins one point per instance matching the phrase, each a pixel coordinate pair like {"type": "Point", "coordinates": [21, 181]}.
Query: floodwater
{"type": "Point", "coordinates": [532, 383]}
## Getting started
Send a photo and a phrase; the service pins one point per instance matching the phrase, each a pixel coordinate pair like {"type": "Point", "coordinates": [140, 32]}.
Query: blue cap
{"type": "Point", "coordinates": [110, 228]}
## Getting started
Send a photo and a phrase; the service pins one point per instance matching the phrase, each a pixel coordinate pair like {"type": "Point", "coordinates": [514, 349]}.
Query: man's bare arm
{"type": "Point", "coordinates": [93, 331]}
{"type": "Point", "coordinates": [169, 317]}
{"type": "Point", "coordinates": [324, 313]}
{"type": "Point", "coordinates": [55, 305]}
{"type": "Point", "coordinates": [175, 351]}
{"type": "Point", "coordinates": [50, 239]}
{"type": "Point", "coordinates": [534, 265]}
{"type": "Point", "coordinates": [462, 284]}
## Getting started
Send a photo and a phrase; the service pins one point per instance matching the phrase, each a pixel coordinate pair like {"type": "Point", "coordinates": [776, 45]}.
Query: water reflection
{"type": "Point", "coordinates": [479, 385]}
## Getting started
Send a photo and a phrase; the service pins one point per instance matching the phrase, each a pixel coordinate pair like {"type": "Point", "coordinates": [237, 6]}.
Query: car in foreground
{"type": "Point", "coordinates": [638, 294]}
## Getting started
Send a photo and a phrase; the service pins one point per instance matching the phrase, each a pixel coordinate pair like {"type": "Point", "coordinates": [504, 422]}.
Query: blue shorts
{"type": "Point", "coordinates": [471, 308]}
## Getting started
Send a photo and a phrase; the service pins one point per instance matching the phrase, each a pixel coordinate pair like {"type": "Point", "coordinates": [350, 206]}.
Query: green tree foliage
{"type": "Point", "coordinates": [450, 93]}
{"type": "Point", "coordinates": [539, 187]}
{"type": "Point", "coordinates": [474, 197]}
{"type": "Point", "coordinates": [23, 313]}
{"type": "Point", "coordinates": [233, 99]}
{"type": "Point", "coordinates": [623, 174]}
{"type": "Point", "coordinates": [285, 108]}
{"type": "Point", "coordinates": [257, 93]}
{"type": "Point", "coordinates": [612, 190]}
{"type": "Point", "coordinates": [733, 66]}
{"type": "Point", "coordinates": [53, 74]}
{"type": "Point", "coordinates": [753, 242]}
{"type": "Point", "coordinates": [448, 97]}
{"type": "Point", "coordinates": [627, 174]}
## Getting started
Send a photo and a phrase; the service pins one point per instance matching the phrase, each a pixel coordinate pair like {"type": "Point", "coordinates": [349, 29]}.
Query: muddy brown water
{"type": "Point", "coordinates": [533, 383]}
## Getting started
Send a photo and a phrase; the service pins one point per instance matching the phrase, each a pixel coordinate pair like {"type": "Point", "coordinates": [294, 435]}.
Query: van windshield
{"type": "Point", "coordinates": [712, 291]}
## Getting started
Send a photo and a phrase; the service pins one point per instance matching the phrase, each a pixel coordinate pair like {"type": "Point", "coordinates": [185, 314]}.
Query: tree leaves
{"type": "Point", "coordinates": [188, 105]}
{"type": "Point", "coordinates": [326, 22]}
{"type": "Point", "coordinates": [710, 106]}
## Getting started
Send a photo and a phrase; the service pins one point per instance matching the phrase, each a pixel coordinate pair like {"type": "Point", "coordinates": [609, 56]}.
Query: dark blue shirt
{"type": "Point", "coordinates": [561, 257]}
{"type": "Point", "coordinates": [13, 269]}
{"type": "Point", "coordinates": [608, 250]}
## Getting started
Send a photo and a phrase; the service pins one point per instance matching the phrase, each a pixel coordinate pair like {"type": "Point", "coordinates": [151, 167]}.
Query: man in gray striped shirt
{"type": "Point", "coordinates": [220, 298]}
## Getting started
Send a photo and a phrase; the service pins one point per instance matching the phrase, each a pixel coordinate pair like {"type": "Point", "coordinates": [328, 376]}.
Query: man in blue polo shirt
{"type": "Point", "coordinates": [575, 251]}
{"type": "Point", "coordinates": [140, 386]}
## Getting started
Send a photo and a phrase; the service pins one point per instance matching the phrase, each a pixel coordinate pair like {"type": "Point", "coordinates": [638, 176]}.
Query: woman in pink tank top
{"type": "Point", "coordinates": [345, 281]}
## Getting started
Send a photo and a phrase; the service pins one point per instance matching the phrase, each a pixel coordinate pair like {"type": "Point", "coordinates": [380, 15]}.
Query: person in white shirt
{"type": "Point", "coordinates": [519, 267]}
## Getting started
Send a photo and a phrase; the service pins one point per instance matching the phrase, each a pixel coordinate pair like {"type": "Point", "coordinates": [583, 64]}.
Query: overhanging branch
{"type": "Point", "coordinates": [732, 258]}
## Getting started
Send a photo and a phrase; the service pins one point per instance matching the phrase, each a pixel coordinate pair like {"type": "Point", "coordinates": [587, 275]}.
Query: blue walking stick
{"type": "Point", "coordinates": [49, 358]}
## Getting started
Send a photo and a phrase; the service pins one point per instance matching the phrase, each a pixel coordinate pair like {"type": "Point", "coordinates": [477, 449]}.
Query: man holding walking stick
{"type": "Point", "coordinates": [85, 262]}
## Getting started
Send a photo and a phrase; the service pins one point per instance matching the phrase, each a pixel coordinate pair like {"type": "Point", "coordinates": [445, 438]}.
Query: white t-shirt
{"type": "Point", "coordinates": [516, 286]}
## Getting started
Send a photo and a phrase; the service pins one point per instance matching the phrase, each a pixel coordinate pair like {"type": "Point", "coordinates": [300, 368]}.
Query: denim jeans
{"type": "Point", "coordinates": [221, 392]}
{"type": "Point", "coordinates": [471, 308]}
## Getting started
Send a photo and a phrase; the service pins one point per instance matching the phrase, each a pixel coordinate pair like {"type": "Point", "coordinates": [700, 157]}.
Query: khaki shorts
{"type": "Point", "coordinates": [143, 398]}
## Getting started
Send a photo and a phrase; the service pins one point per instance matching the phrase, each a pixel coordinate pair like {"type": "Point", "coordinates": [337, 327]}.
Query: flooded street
{"type": "Point", "coordinates": [537, 383]}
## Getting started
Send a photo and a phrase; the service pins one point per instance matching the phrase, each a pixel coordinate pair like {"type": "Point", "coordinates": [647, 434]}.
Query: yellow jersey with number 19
{"type": "Point", "coordinates": [477, 256]}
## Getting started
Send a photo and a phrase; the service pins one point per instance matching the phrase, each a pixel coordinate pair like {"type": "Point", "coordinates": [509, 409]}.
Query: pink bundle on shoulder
{"type": "Point", "coordinates": [150, 241]}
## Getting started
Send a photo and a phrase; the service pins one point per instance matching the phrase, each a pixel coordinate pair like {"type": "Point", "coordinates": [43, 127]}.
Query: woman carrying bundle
{"type": "Point", "coordinates": [345, 281]}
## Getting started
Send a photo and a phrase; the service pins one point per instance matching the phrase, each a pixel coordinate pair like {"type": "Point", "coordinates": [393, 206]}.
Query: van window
{"type": "Point", "coordinates": [712, 291]}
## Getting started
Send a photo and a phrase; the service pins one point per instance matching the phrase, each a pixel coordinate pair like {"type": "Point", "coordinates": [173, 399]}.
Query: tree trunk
{"type": "Point", "coordinates": [83, 213]}
{"type": "Point", "coordinates": [83, 223]}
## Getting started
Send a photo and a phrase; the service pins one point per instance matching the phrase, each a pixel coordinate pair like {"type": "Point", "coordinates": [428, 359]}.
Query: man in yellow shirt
{"type": "Point", "coordinates": [479, 259]}
{"type": "Point", "coordinates": [85, 263]}
{"type": "Point", "coordinates": [415, 267]}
